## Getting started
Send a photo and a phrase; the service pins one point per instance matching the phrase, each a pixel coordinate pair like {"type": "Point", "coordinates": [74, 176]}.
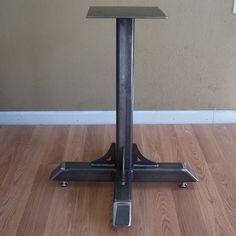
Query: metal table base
{"type": "Point", "coordinates": [123, 163]}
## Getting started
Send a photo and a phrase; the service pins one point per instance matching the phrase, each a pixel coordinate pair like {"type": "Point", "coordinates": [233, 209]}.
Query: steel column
{"type": "Point", "coordinates": [124, 89]}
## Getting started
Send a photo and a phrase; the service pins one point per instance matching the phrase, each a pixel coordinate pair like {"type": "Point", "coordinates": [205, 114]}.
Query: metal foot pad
{"type": "Point", "coordinates": [122, 213]}
{"type": "Point", "coordinates": [64, 184]}
{"type": "Point", "coordinates": [183, 185]}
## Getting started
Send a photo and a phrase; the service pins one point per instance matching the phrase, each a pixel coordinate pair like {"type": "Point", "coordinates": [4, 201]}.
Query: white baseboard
{"type": "Point", "coordinates": [109, 117]}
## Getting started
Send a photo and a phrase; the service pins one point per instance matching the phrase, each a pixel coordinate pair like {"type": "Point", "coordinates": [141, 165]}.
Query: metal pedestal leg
{"type": "Point", "coordinates": [123, 163]}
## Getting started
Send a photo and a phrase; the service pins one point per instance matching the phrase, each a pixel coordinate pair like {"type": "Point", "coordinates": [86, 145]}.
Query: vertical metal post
{"type": "Point", "coordinates": [124, 90]}
{"type": "Point", "coordinates": [124, 121]}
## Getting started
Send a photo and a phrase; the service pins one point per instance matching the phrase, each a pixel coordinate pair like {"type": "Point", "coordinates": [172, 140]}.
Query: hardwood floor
{"type": "Point", "coordinates": [30, 204]}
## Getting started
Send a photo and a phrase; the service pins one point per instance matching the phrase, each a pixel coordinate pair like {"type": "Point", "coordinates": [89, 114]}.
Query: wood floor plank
{"type": "Point", "coordinates": [13, 142]}
{"type": "Point", "coordinates": [60, 212]}
{"type": "Point", "coordinates": [169, 144]}
{"type": "Point", "coordinates": [36, 211]}
{"type": "Point", "coordinates": [150, 143]}
{"type": "Point", "coordinates": [93, 211]}
{"type": "Point", "coordinates": [188, 212]}
{"type": "Point", "coordinates": [224, 173]}
{"type": "Point", "coordinates": [208, 144]}
{"type": "Point", "coordinates": [163, 217]}
{"type": "Point", "coordinates": [18, 181]}
{"type": "Point", "coordinates": [94, 147]}
{"type": "Point", "coordinates": [75, 142]}
{"type": "Point", "coordinates": [94, 200]}
{"type": "Point", "coordinates": [226, 138]}
{"type": "Point", "coordinates": [225, 179]}
{"type": "Point", "coordinates": [206, 193]}
{"type": "Point", "coordinates": [56, 145]}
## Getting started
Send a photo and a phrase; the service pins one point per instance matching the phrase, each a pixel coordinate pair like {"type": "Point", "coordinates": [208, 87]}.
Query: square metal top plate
{"type": "Point", "coordinates": [126, 12]}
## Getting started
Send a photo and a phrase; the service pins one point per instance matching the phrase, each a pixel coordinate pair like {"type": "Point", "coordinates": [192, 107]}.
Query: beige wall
{"type": "Point", "coordinates": [53, 58]}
